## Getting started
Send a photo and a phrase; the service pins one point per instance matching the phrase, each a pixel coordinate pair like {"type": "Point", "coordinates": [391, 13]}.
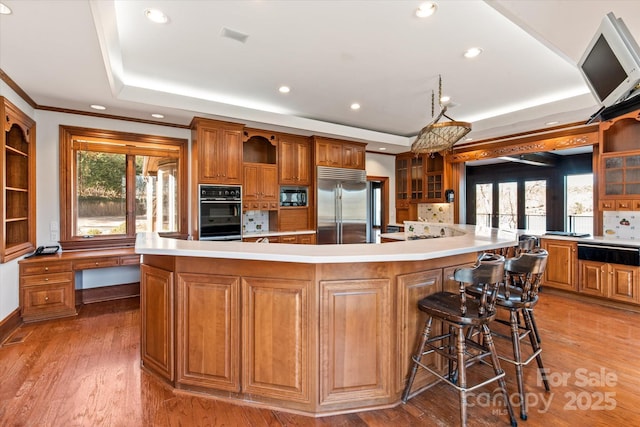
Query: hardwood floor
{"type": "Point", "coordinates": [85, 371]}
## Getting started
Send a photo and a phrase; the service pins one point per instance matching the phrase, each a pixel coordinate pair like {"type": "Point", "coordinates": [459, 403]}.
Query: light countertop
{"type": "Point", "coordinates": [475, 239]}
{"type": "Point", "coordinates": [277, 233]}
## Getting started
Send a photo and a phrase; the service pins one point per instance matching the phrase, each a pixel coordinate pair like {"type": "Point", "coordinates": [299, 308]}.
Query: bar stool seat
{"type": "Point", "coordinates": [461, 314]}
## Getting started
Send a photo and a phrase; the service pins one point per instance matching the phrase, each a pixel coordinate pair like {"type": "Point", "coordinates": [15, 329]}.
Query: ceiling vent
{"type": "Point", "coordinates": [234, 35]}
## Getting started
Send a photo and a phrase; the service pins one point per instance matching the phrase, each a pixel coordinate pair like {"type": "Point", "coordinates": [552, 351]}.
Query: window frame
{"type": "Point", "coordinates": [73, 138]}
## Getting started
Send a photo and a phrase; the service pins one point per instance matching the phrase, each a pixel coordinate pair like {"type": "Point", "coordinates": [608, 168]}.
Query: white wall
{"type": "Point", "coordinates": [48, 189]}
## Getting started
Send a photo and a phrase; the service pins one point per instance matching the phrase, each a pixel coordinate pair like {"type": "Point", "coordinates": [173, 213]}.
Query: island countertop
{"type": "Point", "coordinates": [475, 239]}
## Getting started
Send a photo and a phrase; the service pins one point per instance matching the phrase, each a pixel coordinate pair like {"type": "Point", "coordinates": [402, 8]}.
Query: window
{"type": "Point", "coordinates": [535, 193]}
{"type": "Point", "coordinates": [115, 184]}
{"type": "Point", "coordinates": [579, 199]}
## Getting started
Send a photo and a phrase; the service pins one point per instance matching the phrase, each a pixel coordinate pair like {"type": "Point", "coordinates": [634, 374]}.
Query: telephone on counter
{"type": "Point", "coordinates": [44, 250]}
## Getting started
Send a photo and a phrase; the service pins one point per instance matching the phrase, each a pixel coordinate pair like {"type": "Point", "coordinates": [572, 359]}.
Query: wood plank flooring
{"type": "Point", "coordinates": [85, 371]}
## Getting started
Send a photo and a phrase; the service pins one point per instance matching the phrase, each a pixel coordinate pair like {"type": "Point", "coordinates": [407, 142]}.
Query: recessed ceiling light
{"type": "Point", "coordinates": [383, 149]}
{"type": "Point", "coordinates": [445, 99]}
{"type": "Point", "coordinates": [4, 9]}
{"type": "Point", "coordinates": [426, 9]}
{"type": "Point", "coordinates": [468, 138]}
{"type": "Point", "coordinates": [284, 89]}
{"type": "Point", "coordinates": [157, 16]}
{"type": "Point", "coordinates": [555, 122]}
{"type": "Point", "coordinates": [355, 106]}
{"type": "Point", "coordinates": [98, 107]}
{"type": "Point", "coordinates": [472, 52]}
{"type": "Point", "coordinates": [157, 116]}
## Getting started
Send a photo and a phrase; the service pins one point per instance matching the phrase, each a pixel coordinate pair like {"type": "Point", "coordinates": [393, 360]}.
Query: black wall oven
{"type": "Point", "coordinates": [220, 212]}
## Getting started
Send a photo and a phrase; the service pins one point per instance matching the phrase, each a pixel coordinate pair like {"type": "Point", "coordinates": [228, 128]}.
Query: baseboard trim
{"type": "Point", "coordinates": [9, 324]}
{"type": "Point", "coordinates": [107, 293]}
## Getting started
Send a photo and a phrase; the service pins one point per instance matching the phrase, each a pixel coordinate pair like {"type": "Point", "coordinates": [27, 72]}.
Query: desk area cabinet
{"type": "Point", "coordinates": [47, 283]}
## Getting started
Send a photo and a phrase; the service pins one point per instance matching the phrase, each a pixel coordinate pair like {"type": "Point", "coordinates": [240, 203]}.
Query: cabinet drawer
{"type": "Point", "coordinates": [46, 279]}
{"type": "Point", "coordinates": [95, 263]}
{"type": "Point", "coordinates": [43, 268]}
{"type": "Point", "coordinates": [624, 205]}
{"type": "Point", "coordinates": [130, 260]}
{"type": "Point", "coordinates": [50, 301]}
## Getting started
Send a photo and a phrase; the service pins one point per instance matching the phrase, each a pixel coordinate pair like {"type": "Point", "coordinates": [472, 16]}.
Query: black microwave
{"type": "Point", "coordinates": [294, 196]}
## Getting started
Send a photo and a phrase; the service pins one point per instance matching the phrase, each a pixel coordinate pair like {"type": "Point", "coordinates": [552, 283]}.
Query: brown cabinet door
{"type": "Point", "coordinates": [412, 288]}
{"type": "Point", "coordinates": [220, 155]}
{"type": "Point", "coordinates": [623, 283]}
{"type": "Point", "coordinates": [355, 341]}
{"type": "Point", "coordinates": [47, 296]}
{"type": "Point", "coordinates": [250, 187]}
{"type": "Point", "coordinates": [268, 180]}
{"type": "Point", "coordinates": [593, 278]}
{"type": "Point", "coordinates": [276, 322]}
{"type": "Point", "coordinates": [294, 162]}
{"type": "Point", "coordinates": [353, 156]}
{"type": "Point", "coordinates": [329, 154]}
{"type": "Point", "coordinates": [157, 318]}
{"type": "Point", "coordinates": [208, 329]}
{"type": "Point", "coordinates": [561, 265]}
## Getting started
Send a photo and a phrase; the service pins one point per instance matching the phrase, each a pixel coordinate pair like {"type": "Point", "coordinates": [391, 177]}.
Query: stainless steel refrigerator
{"type": "Point", "coordinates": [342, 205]}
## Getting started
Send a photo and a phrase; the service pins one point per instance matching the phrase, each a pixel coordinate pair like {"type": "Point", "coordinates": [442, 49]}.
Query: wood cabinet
{"type": "Point", "coordinates": [294, 219]}
{"type": "Point", "coordinates": [419, 179]}
{"type": "Point", "coordinates": [339, 154]}
{"type": "Point", "coordinates": [46, 290]}
{"type": "Point", "coordinates": [618, 166]}
{"type": "Point", "coordinates": [562, 265]}
{"type": "Point", "coordinates": [260, 189]}
{"type": "Point", "coordinates": [208, 331]}
{"type": "Point", "coordinates": [412, 287]}
{"type": "Point", "coordinates": [216, 152]}
{"type": "Point", "coordinates": [294, 160]}
{"type": "Point", "coordinates": [276, 360]}
{"type": "Point", "coordinates": [613, 281]}
{"type": "Point", "coordinates": [157, 317]}
{"type": "Point", "coordinates": [18, 171]}
{"type": "Point", "coordinates": [355, 339]}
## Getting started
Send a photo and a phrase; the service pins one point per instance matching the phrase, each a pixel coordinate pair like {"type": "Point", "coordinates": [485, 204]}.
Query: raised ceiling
{"type": "Point", "coordinates": [74, 53]}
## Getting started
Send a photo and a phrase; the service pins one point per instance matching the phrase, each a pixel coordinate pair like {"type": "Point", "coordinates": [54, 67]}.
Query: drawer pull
{"type": "Point", "coordinates": [46, 279]}
{"type": "Point", "coordinates": [97, 263]}
{"type": "Point", "coordinates": [46, 269]}
{"type": "Point", "coordinates": [46, 298]}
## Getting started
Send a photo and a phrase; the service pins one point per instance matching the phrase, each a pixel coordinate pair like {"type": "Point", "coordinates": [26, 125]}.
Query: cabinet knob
{"type": "Point", "coordinates": [46, 298]}
{"type": "Point", "coordinates": [46, 269]}
{"type": "Point", "coordinates": [46, 279]}
{"type": "Point", "coordinates": [97, 263]}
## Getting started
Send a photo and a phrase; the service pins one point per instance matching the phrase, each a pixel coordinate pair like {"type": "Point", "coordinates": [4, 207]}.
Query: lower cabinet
{"type": "Point", "coordinates": [276, 338]}
{"type": "Point", "coordinates": [208, 331]}
{"type": "Point", "coordinates": [46, 290]}
{"type": "Point", "coordinates": [613, 281]}
{"type": "Point", "coordinates": [412, 288]}
{"type": "Point", "coordinates": [355, 340]}
{"type": "Point", "coordinates": [157, 317]}
{"type": "Point", "coordinates": [561, 270]}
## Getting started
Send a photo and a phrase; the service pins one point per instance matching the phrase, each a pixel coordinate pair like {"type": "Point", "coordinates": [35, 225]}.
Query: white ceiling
{"type": "Point", "coordinates": [73, 53]}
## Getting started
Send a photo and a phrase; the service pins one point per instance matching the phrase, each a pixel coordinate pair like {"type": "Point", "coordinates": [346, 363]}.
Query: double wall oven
{"type": "Point", "coordinates": [220, 212]}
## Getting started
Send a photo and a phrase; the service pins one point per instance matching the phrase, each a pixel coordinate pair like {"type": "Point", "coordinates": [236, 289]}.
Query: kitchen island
{"type": "Point", "coordinates": [317, 330]}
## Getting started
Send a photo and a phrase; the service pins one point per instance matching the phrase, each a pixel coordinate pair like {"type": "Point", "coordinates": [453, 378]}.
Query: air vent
{"type": "Point", "coordinates": [234, 35]}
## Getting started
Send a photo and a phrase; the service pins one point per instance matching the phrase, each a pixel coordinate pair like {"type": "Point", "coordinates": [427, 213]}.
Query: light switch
{"type": "Point", "coordinates": [53, 226]}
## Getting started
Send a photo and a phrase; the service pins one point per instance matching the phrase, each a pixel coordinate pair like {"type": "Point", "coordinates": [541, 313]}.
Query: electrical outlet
{"type": "Point", "coordinates": [53, 226]}
{"type": "Point", "coordinates": [54, 236]}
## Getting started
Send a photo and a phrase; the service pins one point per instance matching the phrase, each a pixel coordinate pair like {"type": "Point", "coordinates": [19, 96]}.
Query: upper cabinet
{"type": "Point", "coordinates": [216, 152]}
{"type": "Point", "coordinates": [260, 181]}
{"type": "Point", "coordinates": [339, 154]}
{"type": "Point", "coordinates": [294, 160]}
{"type": "Point", "coordinates": [620, 157]}
{"type": "Point", "coordinates": [18, 197]}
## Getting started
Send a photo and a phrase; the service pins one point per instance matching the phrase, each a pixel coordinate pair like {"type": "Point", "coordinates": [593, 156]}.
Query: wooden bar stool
{"type": "Point", "coordinates": [518, 295]}
{"type": "Point", "coordinates": [458, 314]}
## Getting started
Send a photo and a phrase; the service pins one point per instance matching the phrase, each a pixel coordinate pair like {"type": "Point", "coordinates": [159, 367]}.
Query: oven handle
{"type": "Point", "coordinates": [619, 248]}
{"type": "Point", "coordinates": [220, 201]}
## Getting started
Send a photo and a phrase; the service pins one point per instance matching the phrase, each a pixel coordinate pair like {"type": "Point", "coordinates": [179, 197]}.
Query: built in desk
{"type": "Point", "coordinates": [47, 283]}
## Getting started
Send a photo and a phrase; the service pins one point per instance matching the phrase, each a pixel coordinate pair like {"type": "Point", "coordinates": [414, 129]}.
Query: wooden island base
{"type": "Point", "coordinates": [317, 339]}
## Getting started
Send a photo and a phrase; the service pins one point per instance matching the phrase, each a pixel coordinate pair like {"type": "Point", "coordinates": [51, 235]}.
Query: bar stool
{"type": "Point", "coordinates": [460, 314]}
{"type": "Point", "coordinates": [519, 295]}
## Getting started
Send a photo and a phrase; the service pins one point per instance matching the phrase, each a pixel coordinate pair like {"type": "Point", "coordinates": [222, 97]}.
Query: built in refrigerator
{"type": "Point", "coordinates": [341, 205]}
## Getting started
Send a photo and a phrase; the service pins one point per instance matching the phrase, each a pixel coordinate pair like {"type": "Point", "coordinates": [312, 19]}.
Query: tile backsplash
{"type": "Point", "coordinates": [436, 212]}
{"type": "Point", "coordinates": [621, 225]}
{"type": "Point", "coordinates": [255, 222]}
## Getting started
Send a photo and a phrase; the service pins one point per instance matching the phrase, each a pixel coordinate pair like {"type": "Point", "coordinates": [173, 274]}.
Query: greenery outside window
{"type": "Point", "coordinates": [115, 184]}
